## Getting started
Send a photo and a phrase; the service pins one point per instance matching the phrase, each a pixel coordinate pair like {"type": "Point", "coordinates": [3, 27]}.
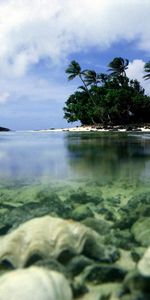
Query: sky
{"type": "Point", "coordinates": [39, 38]}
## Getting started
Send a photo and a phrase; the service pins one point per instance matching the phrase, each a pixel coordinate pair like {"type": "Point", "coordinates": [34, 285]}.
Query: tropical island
{"type": "Point", "coordinates": [107, 98]}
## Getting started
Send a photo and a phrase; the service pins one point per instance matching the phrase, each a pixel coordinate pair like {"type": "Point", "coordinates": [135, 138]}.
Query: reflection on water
{"type": "Point", "coordinates": [110, 156]}
{"type": "Point", "coordinates": [27, 157]}
{"type": "Point", "coordinates": [30, 156]}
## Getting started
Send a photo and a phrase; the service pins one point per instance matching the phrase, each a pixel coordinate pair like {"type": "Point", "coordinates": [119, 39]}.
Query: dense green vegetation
{"type": "Point", "coordinates": [107, 98]}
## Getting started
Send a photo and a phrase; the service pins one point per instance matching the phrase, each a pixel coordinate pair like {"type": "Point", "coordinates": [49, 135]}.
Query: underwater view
{"type": "Point", "coordinates": [78, 203]}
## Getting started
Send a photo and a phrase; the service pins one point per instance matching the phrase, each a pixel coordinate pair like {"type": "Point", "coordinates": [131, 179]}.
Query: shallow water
{"type": "Point", "coordinates": [101, 180]}
{"type": "Point", "coordinates": [63, 156]}
{"type": "Point", "coordinates": [112, 159]}
{"type": "Point", "coordinates": [107, 165]}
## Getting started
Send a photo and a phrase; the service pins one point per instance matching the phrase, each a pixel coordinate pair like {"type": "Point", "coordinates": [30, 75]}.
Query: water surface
{"type": "Point", "coordinates": [116, 162]}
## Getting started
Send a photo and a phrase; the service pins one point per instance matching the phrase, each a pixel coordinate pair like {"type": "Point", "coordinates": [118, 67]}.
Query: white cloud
{"type": "Point", "coordinates": [4, 97]}
{"type": "Point", "coordinates": [33, 29]}
{"type": "Point", "coordinates": [136, 71]}
{"type": "Point", "coordinates": [31, 89]}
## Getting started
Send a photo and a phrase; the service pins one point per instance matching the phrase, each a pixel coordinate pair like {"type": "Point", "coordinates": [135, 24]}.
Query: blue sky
{"type": "Point", "coordinates": [39, 38]}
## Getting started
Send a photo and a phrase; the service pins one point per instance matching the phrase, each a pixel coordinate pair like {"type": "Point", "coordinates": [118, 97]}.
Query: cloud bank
{"type": "Point", "coordinates": [39, 32]}
{"type": "Point", "coordinates": [31, 30]}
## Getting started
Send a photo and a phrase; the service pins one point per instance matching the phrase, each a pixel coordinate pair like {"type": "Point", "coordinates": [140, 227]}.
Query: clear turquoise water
{"type": "Point", "coordinates": [117, 162]}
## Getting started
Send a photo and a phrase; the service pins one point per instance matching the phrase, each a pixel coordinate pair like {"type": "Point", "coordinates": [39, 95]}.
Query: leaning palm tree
{"type": "Point", "coordinates": [147, 70]}
{"type": "Point", "coordinates": [75, 70]}
{"type": "Point", "coordinates": [118, 66]}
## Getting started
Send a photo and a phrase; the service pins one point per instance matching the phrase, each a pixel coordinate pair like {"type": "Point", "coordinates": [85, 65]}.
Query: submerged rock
{"type": "Point", "coordinates": [144, 264]}
{"type": "Point", "coordinates": [102, 292]}
{"type": "Point", "coordinates": [120, 238]}
{"type": "Point", "coordinates": [137, 253]}
{"type": "Point", "coordinates": [81, 197]}
{"type": "Point", "coordinates": [34, 284]}
{"type": "Point", "coordinates": [49, 237]}
{"type": "Point", "coordinates": [103, 273]}
{"type": "Point", "coordinates": [136, 208]}
{"type": "Point", "coordinates": [99, 225]}
{"type": "Point", "coordinates": [125, 262]}
{"type": "Point", "coordinates": [44, 202]}
{"type": "Point", "coordinates": [81, 212]}
{"type": "Point", "coordinates": [137, 282]}
{"type": "Point", "coordinates": [78, 264]}
{"type": "Point", "coordinates": [141, 231]}
{"type": "Point", "coordinates": [134, 281]}
{"type": "Point", "coordinates": [51, 264]}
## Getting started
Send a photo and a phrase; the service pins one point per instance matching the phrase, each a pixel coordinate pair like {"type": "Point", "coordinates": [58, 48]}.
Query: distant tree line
{"type": "Point", "coordinates": [110, 98]}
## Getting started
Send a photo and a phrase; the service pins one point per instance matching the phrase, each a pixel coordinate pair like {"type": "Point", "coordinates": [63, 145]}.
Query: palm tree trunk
{"type": "Point", "coordinates": [92, 119]}
{"type": "Point", "coordinates": [86, 89]}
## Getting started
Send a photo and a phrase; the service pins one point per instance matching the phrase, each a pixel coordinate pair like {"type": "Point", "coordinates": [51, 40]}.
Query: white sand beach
{"type": "Point", "coordinates": [128, 128]}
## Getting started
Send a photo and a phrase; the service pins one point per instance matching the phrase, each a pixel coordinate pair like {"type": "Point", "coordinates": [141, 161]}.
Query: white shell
{"type": "Point", "coordinates": [34, 284]}
{"type": "Point", "coordinates": [47, 237]}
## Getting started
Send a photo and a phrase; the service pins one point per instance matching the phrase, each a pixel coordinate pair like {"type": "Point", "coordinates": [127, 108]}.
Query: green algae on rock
{"type": "Point", "coordinates": [141, 231]}
{"type": "Point", "coordinates": [103, 273]}
{"type": "Point", "coordinates": [144, 264]}
{"type": "Point", "coordinates": [81, 212]}
{"type": "Point", "coordinates": [100, 225]}
{"type": "Point", "coordinates": [112, 220]}
{"type": "Point", "coordinates": [82, 197]}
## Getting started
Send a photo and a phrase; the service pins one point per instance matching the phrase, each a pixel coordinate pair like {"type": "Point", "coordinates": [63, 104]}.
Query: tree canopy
{"type": "Point", "coordinates": [107, 98]}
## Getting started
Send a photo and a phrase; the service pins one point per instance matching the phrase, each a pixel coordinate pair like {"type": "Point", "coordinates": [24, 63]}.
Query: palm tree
{"type": "Point", "coordinates": [91, 77]}
{"type": "Point", "coordinates": [147, 70]}
{"type": "Point", "coordinates": [118, 66]}
{"type": "Point", "coordinates": [75, 70]}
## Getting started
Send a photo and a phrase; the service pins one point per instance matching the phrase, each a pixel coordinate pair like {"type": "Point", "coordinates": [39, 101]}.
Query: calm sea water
{"type": "Point", "coordinates": [116, 162]}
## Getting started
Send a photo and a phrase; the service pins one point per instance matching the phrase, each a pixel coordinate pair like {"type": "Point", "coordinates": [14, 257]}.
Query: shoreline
{"type": "Point", "coordinates": [93, 128]}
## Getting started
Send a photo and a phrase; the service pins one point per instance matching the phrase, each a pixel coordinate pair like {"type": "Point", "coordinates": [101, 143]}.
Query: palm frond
{"type": "Point", "coordinates": [146, 76]}
{"type": "Point", "coordinates": [90, 77]}
{"type": "Point", "coordinates": [118, 66]}
{"type": "Point", "coordinates": [147, 70]}
{"type": "Point", "coordinates": [72, 76]}
{"type": "Point", "coordinates": [73, 67]}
